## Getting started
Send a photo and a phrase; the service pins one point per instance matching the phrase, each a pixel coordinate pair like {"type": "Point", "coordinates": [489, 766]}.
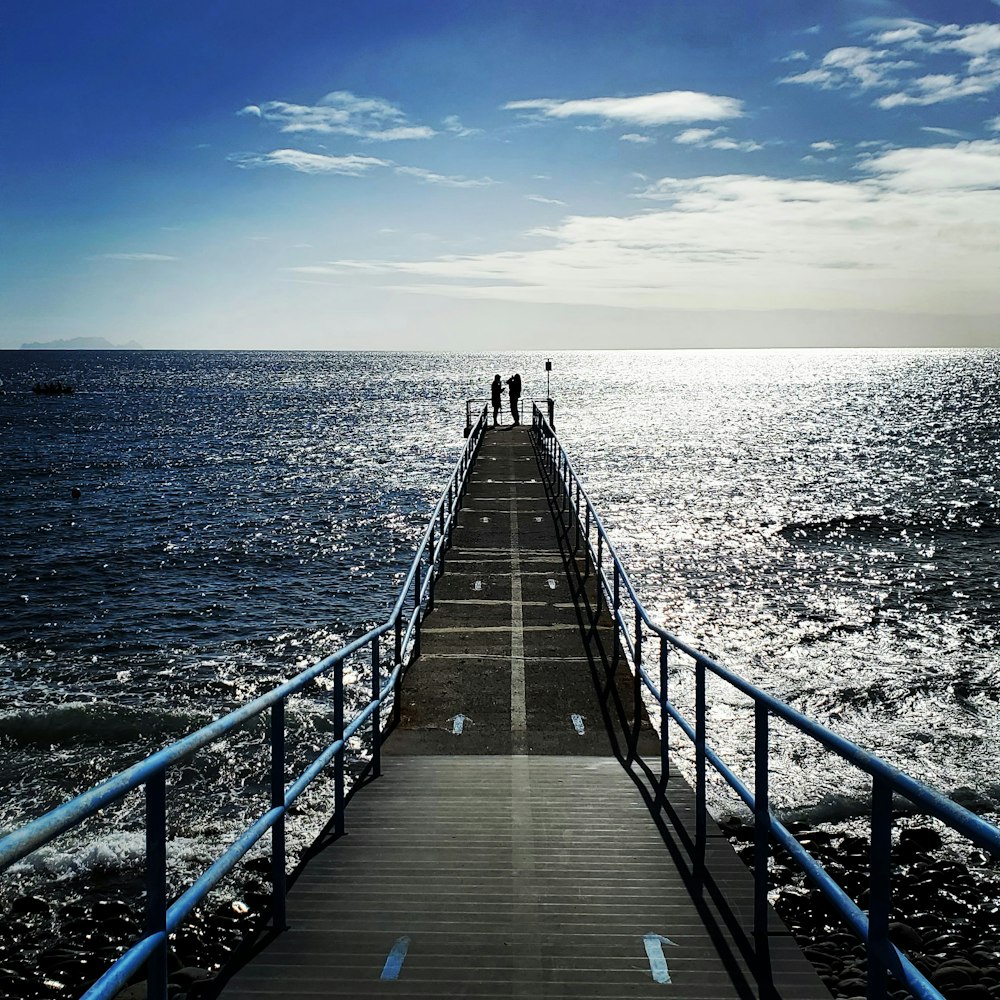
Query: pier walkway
{"type": "Point", "coordinates": [505, 851]}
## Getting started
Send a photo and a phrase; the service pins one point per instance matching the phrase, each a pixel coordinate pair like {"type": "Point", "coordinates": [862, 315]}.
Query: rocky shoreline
{"type": "Point", "coordinates": [945, 916]}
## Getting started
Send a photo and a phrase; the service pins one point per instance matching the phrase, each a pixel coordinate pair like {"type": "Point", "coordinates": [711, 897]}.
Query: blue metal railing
{"type": "Point", "coordinates": [162, 917]}
{"type": "Point", "coordinates": [632, 629]}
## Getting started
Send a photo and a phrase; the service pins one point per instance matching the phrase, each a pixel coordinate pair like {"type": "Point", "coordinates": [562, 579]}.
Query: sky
{"type": "Point", "coordinates": [464, 175]}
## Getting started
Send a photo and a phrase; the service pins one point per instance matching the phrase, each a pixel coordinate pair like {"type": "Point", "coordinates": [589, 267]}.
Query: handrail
{"type": "Point", "coordinates": [416, 597]}
{"type": "Point", "coordinates": [582, 521]}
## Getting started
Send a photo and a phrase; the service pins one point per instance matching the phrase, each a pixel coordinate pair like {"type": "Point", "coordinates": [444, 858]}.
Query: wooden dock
{"type": "Point", "coordinates": [505, 851]}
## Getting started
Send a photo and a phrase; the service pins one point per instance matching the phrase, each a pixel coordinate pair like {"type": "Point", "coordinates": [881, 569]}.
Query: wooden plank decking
{"type": "Point", "coordinates": [517, 859]}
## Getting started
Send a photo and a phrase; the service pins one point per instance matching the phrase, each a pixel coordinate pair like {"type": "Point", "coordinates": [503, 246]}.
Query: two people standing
{"type": "Point", "coordinates": [496, 391]}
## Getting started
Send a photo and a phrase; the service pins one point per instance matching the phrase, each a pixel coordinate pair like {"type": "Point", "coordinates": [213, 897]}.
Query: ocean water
{"type": "Point", "coordinates": [826, 523]}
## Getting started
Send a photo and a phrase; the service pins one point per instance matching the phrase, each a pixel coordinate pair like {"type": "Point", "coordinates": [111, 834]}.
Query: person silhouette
{"type": "Point", "coordinates": [514, 384]}
{"type": "Point", "coordinates": [496, 391]}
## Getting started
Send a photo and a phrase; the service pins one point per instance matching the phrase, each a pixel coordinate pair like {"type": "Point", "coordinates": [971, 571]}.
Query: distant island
{"type": "Point", "coordinates": [82, 344]}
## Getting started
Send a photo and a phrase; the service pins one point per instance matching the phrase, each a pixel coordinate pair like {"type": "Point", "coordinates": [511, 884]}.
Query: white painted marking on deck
{"type": "Point", "coordinates": [457, 724]}
{"type": "Point", "coordinates": [577, 721]}
{"type": "Point", "coordinates": [552, 584]}
{"type": "Point", "coordinates": [486, 520]}
{"type": "Point", "coordinates": [538, 519]}
{"type": "Point", "coordinates": [518, 709]}
{"type": "Point", "coordinates": [478, 585]}
{"type": "Point", "coordinates": [394, 963]}
{"type": "Point", "coordinates": [658, 969]}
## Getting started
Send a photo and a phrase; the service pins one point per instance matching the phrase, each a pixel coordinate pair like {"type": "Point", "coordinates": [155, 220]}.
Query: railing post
{"type": "Point", "coordinates": [600, 562]}
{"type": "Point", "coordinates": [761, 819]}
{"type": "Point", "coordinates": [377, 714]}
{"type": "Point", "coordinates": [278, 830]}
{"type": "Point", "coordinates": [586, 543]}
{"type": "Point", "coordinates": [156, 882]}
{"type": "Point", "coordinates": [701, 807]}
{"type": "Point", "coordinates": [338, 760]}
{"type": "Point", "coordinates": [664, 717]}
{"type": "Point", "coordinates": [397, 662]}
{"type": "Point", "coordinates": [633, 743]}
{"type": "Point", "coordinates": [879, 888]}
{"type": "Point", "coordinates": [431, 571]}
{"type": "Point", "coordinates": [416, 611]}
{"type": "Point", "coordinates": [618, 604]}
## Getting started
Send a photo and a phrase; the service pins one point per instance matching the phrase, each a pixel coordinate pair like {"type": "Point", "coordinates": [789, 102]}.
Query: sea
{"type": "Point", "coordinates": [825, 523]}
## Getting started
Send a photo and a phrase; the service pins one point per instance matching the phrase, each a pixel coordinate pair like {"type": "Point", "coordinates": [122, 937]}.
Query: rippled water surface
{"type": "Point", "coordinates": [825, 522]}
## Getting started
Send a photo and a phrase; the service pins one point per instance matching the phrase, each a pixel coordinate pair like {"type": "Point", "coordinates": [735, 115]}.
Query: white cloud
{"type": "Point", "coordinates": [915, 234]}
{"type": "Point", "coordinates": [938, 87]}
{"type": "Point", "coordinates": [341, 113]}
{"type": "Point", "coordinates": [668, 107]}
{"type": "Point", "coordinates": [852, 65]}
{"type": "Point", "coordinates": [994, 123]}
{"type": "Point", "coordinates": [967, 166]}
{"type": "Point", "coordinates": [823, 146]}
{"type": "Point", "coordinates": [544, 201]}
{"type": "Point", "coordinates": [902, 31]}
{"type": "Point", "coordinates": [310, 163]}
{"type": "Point", "coordinates": [797, 56]}
{"type": "Point", "coordinates": [134, 256]}
{"type": "Point", "coordinates": [429, 177]}
{"type": "Point", "coordinates": [712, 138]}
{"type": "Point", "coordinates": [695, 136]}
{"type": "Point", "coordinates": [937, 130]}
{"type": "Point", "coordinates": [635, 137]}
{"type": "Point", "coordinates": [920, 64]}
{"type": "Point", "coordinates": [454, 125]}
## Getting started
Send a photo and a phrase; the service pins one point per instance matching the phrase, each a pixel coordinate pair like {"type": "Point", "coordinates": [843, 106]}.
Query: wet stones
{"type": "Point", "coordinates": [58, 948]}
{"type": "Point", "coordinates": [945, 913]}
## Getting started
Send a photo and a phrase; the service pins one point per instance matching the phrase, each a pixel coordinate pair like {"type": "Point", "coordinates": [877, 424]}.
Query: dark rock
{"type": "Point", "coordinates": [975, 991]}
{"type": "Point", "coordinates": [905, 937]}
{"type": "Point", "coordinates": [29, 906]}
{"type": "Point", "coordinates": [135, 992]}
{"type": "Point", "coordinates": [730, 824]}
{"type": "Point", "coordinates": [945, 978]}
{"type": "Point", "coordinates": [920, 838]}
{"type": "Point", "coordinates": [854, 846]}
{"type": "Point", "coordinates": [190, 974]}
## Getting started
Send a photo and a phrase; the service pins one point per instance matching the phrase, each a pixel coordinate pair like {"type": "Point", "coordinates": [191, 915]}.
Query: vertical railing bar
{"type": "Point", "coordinates": [156, 882]}
{"type": "Point", "coordinates": [397, 662]}
{"type": "Point", "coordinates": [377, 713]}
{"type": "Point", "coordinates": [633, 750]}
{"type": "Point", "coordinates": [338, 761]}
{"type": "Point", "coordinates": [416, 611]}
{"type": "Point", "coordinates": [600, 563]}
{"type": "Point", "coordinates": [701, 807]}
{"type": "Point", "coordinates": [432, 570]}
{"type": "Point", "coordinates": [879, 888]}
{"type": "Point", "coordinates": [618, 604]}
{"type": "Point", "coordinates": [278, 886]}
{"type": "Point", "coordinates": [664, 716]}
{"type": "Point", "coordinates": [762, 818]}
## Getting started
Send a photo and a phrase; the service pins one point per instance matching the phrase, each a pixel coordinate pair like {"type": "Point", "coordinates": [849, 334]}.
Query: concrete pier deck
{"type": "Point", "coordinates": [505, 852]}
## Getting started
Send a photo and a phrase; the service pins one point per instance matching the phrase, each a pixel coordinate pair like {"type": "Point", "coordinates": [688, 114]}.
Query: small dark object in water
{"type": "Point", "coordinates": [56, 388]}
{"type": "Point", "coordinates": [75, 493]}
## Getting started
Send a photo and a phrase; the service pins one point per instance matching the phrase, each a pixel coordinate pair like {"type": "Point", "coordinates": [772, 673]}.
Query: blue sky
{"type": "Point", "coordinates": [461, 175]}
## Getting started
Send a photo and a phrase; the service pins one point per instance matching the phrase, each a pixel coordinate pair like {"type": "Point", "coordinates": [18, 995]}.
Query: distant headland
{"type": "Point", "coordinates": [81, 344]}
